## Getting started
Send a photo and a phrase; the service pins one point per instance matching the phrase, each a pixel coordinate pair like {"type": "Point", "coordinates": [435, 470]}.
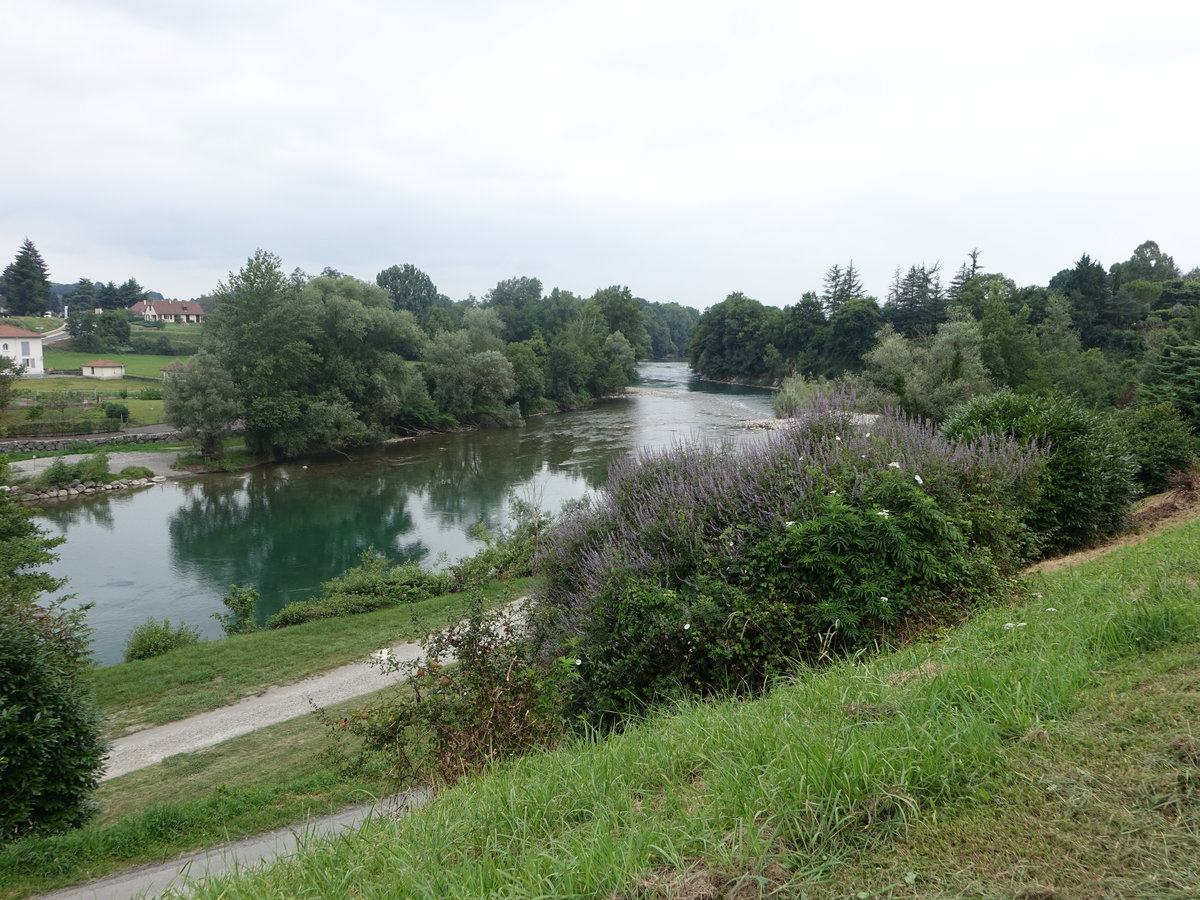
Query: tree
{"type": "Point", "coordinates": [916, 303]}
{"type": "Point", "coordinates": [928, 376]}
{"type": "Point", "coordinates": [851, 334]}
{"type": "Point", "coordinates": [313, 363]}
{"type": "Point", "coordinates": [51, 745]}
{"type": "Point", "coordinates": [82, 296]}
{"type": "Point", "coordinates": [409, 288]}
{"type": "Point", "coordinates": [623, 312]}
{"type": "Point", "coordinates": [25, 284]}
{"type": "Point", "coordinates": [202, 400]}
{"type": "Point", "coordinates": [1148, 263]}
{"type": "Point", "coordinates": [1086, 288]}
{"type": "Point", "coordinates": [841, 285]}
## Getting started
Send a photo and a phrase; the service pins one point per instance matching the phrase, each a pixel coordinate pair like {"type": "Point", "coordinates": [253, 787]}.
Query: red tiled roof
{"type": "Point", "coordinates": [105, 364]}
{"type": "Point", "coordinates": [13, 331]}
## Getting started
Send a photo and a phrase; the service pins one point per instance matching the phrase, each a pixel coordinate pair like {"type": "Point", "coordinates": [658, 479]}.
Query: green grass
{"type": "Point", "coordinates": [211, 674]}
{"type": "Point", "coordinates": [778, 794]}
{"type": "Point", "coordinates": [144, 365]}
{"type": "Point", "coordinates": [255, 783]}
{"type": "Point", "coordinates": [40, 324]}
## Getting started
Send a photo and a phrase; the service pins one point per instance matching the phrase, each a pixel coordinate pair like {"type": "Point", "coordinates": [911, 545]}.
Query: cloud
{"type": "Point", "coordinates": [685, 149]}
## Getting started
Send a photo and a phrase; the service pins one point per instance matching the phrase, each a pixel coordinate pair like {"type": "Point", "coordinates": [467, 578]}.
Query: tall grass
{"type": "Point", "coordinates": [768, 792]}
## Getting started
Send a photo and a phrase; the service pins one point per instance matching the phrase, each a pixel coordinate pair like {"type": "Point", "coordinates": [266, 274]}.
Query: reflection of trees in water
{"type": "Point", "coordinates": [96, 510]}
{"type": "Point", "coordinates": [283, 536]}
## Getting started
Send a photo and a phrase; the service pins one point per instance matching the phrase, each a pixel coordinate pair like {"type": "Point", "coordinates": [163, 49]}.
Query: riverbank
{"type": "Point", "coordinates": [940, 769]}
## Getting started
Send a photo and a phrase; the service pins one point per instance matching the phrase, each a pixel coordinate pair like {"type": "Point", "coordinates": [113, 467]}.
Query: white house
{"type": "Point", "coordinates": [181, 311]}
{"type": "Point", "coordinates": [102, 368]}
{"type": "Point", "coordinates": [24, 347]}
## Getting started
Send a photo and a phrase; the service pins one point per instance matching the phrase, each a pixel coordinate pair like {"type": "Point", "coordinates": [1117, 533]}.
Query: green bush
{"type": "Point", "coordinates": [1086, 486]}
{"type": "Point", "coordinates": [115, 410]}
{"type": "Point", "coordinates": [712, 570]}
{"type": "Point", "coordinates": [60, 473]}
{"type": "Point", "coordinates": [506, 555]}
{"type": "Point", "coordinates": [241, 603]}
{"type": "Point", "coordinates": [1161, 441]}
{"type": "Point", "coordinates": [132, 472]}
{"type": "Point", "coordinates": [154, 638]}
{"type": "Point", "coordinates": [373, 584]}
{"type": "Point", "coordinates": [51, 749]}
{"type": "Point", "coordinates": [481, 693]}
{"type": "Point", "coordinates": [150, 393]}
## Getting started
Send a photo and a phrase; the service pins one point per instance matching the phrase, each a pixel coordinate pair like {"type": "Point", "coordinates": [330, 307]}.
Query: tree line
{"type": "Point", "coordinates": [326, 361]}
{"type": "Point", "coordinates": [1109, 336]}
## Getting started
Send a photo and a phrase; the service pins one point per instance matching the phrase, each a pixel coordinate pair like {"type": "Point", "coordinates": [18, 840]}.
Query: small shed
{"type": "Point", "coordinates": [103, 368]}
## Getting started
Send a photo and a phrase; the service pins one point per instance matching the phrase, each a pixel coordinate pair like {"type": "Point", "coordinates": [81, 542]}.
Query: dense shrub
{"type": "Point", "coordinates": [154, 637]}
{"type": "Point", "coordinates": [61, 473]}
{"type": "Point", "coordinates": [241, 603]}
{"type": "Point", "coordinates": [706, 569]}
{"type": "Point", "coordinates": [1086, 485]}
{"type": "Point", "coordinates": [507, 554]}
{"type": "Point", "coordinates": [116, 410]}
{"type": "Point", "coordinates": [373, 584]}
{"type": "Point", "coordinates": [51, 749]}
{"type": "Point", "coordinates": [1161, 441]}
{"type": "Point", "coordinates": [150, 393]}
{"type": "Point", "coordinates": [481, 693]}
{"type": "Point", "coordinates": [132, 472]}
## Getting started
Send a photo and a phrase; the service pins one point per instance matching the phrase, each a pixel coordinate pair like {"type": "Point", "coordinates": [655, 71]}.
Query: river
{"type": "Point", "coordinates": [172, 551]}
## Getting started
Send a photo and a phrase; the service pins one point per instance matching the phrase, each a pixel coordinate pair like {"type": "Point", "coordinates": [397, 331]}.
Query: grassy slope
{"type": "Point", "coordinates": [216, 673]}
{"type": "Point", "coordinates": [827, 773]}
{"type": "Point", "coordinates": [145, 365]}
{"type": "Point", "coordinates": [40, 324]}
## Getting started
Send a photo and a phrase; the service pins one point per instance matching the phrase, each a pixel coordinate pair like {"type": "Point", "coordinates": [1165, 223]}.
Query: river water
{"type": "Point", "coordinates": [172, 551]}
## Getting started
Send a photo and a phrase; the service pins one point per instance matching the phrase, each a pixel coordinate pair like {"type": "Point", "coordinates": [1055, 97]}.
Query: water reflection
{"type": "Point", "coordinates": [173, 550]}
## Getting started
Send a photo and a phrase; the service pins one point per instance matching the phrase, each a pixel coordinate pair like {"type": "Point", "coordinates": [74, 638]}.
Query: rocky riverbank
{"type": "Point", "coordinates": [23, 494]}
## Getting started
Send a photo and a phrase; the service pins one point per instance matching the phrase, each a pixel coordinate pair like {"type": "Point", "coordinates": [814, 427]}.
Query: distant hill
{"type": "Point", "coordinates": [59, 289]}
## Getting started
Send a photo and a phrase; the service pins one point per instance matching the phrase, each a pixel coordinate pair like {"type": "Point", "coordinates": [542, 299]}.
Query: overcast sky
{"type": "Point", "coordinates": [685, 149]}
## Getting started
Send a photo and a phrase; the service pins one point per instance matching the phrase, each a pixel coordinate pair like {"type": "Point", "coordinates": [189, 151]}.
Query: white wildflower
{"type": "Point", "coordinates": [1020, 624]}
{"type": "Point", "coordinates": [919, 479]}
{"type": "Point", "coordinates": [1037, 596]}
{"type": "Point", "coordinates": [687, 626]}
{"type": "Point", "coordinates": [885, 513]}
{"type": "Point", "coordinates": [893, 465]}
{"type": "Point", "coordinates": [1008, 626]}
{"type": "Point", "coordinates": [868, 434]}
{"type": "Point", "coordinates": [884, 600]}
{"type": "Point", "coordinates": [788, 524]}
{"type": "Point", "coordinates": [1051, 609]}
{"type": "Point", "coordinates": [837, 437]}
{"type": "Point", "coordinates": [579, 662]}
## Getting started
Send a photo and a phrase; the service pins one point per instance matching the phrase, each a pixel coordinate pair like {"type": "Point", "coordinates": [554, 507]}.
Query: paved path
{"type": "Point", "coordinates": [276, 704]}
{"type": "Point", "coordinates": [152, 880]}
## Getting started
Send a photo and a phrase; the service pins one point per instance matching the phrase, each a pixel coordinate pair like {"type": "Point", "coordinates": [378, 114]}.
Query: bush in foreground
{"type": "Point", "coordinates": [154, 638]}
{"type": "Point", "coordinates": [1086, 486]}
{"type": "Point", "coordinates": [709, 569]}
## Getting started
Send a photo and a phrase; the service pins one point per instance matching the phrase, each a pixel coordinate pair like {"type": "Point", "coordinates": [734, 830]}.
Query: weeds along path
{"type": "Point", "coordinates": [276, 704]}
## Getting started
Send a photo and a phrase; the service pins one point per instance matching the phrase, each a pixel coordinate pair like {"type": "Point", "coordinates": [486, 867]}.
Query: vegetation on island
{"type": "Point", "coordinates": [309, 363]}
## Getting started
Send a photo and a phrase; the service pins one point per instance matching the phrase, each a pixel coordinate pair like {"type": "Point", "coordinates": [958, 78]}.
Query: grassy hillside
{"type": "Point", "coordinates": [908, 775]}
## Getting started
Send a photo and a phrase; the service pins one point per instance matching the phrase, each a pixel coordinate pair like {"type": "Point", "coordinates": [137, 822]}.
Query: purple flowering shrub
{"type": "Point", "coordinates": [709, 569]}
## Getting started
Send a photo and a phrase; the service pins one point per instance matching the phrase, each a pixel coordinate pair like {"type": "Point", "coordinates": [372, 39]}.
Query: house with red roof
{"type": "Point", "coordinates": [181, 311]}
{"type": "Point", "coordinates": [23, 347]}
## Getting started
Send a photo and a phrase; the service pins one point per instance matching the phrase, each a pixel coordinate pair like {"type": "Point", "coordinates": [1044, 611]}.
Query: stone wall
{"type": "Point", "coordinates": [83, 445]}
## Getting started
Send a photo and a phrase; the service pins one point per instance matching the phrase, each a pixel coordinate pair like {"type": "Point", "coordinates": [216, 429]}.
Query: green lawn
{"type": "Point", "coordinates": [142, 364]}
{"type": "Point", "coordinates": [39, 324]}
{"type": "Point", "coordinates": [216, 673]}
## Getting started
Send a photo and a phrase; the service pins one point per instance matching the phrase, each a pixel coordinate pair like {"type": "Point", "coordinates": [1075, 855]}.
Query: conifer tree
{"type": "Point", "coordinates": [25, 284]}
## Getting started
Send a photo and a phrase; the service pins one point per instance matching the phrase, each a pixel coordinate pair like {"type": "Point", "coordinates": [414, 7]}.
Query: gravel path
{"type": "Point", "coordinates": [152, 880]}
{"type": "Point", "coordinates": [276, 704]}
{"type": "Point", "coordinates": [158, 463]}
